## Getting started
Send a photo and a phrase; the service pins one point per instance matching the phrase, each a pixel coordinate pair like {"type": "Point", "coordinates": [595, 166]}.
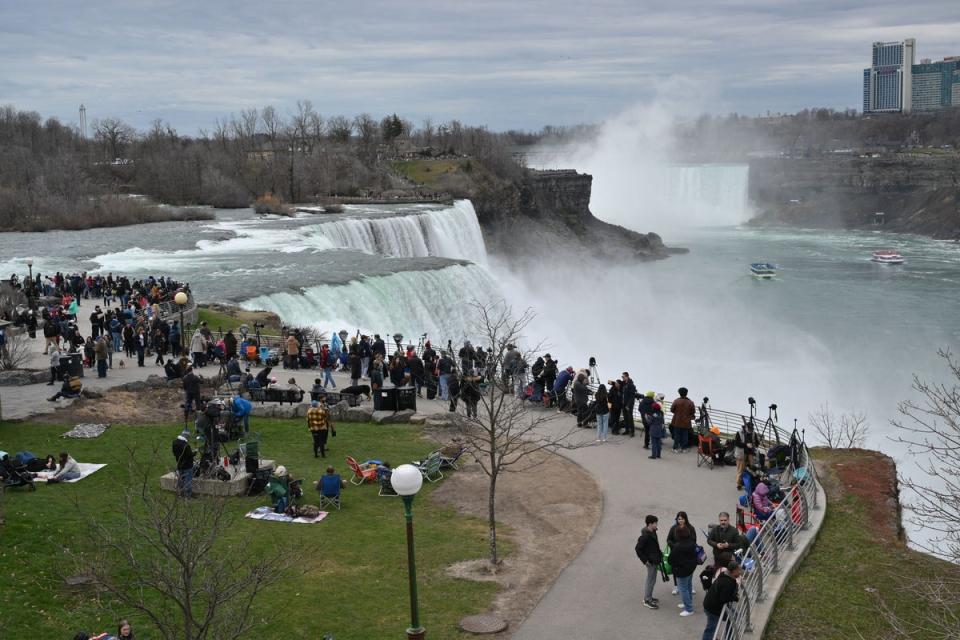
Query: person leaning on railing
{"type": "Point", "coordinates": [723, 591]}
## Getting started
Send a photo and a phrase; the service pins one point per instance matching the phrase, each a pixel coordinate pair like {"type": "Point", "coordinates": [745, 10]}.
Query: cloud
{"type": "Point", "coordinates": [504, 64]}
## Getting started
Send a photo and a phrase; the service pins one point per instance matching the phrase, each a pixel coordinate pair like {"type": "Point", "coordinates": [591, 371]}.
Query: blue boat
{"type": "Point", "coordinates": [763, 270]}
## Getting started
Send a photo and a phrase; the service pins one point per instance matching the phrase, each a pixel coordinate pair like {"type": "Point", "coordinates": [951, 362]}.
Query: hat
{"type": "Point", "coordinates": [273, 380]}
{"type": "Point", "coordinates": [714, 429]}
{"type": "Point", "coordinates": [314, 403]}
{"type": "Point", "coordinates": [569, 369]}
{"type": "Point", "coordinates": [650, 394]}
{"type": "Point", "coordinates": [548, 356]}
{"type": "Point", "coordinates": [281, 471]}
{"type": "Point", "coordinates": [659, 397]}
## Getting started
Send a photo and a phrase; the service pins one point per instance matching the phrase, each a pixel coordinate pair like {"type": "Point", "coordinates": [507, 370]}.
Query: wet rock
{"type": "Point", "coordinates": [390, 417]}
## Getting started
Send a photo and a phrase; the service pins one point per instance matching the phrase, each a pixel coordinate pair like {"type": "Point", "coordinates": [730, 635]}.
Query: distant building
{"type": "Point", "coordinates": [894, 84]}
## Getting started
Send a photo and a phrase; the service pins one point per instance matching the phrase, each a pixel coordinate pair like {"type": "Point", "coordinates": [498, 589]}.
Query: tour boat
{"type": "Point", "coordinates": [887, 256]}
{"type": "Point", "coordinates": [763, 270]}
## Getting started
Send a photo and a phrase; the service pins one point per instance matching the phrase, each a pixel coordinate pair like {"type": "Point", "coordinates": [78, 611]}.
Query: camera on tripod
{"type": "Point", "coordinates": [258, 325]}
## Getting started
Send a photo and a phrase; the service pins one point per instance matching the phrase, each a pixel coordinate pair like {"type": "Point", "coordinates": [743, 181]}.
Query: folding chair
{"type": "Point", "coordinates": [361, 475]}
{"type": "Point", "coordinates": [449, 457]}
{"type": "Point", "coordinates": [430, 468]}
{"type": "Point", "coordinates": [329, 489]}
{"type": "Point", "coordinates": [706, 450]}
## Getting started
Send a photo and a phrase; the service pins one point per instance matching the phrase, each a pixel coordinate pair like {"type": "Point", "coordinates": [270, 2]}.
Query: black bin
{"type": "Point", "coordinates": [389, 399]}
{"type": "Point", "coordinates": [406, 398]}
{"type": "Point", "coordinates": [71, 364]}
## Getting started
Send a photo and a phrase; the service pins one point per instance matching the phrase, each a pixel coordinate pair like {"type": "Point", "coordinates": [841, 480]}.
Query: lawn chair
{"type": "Point", "coordinates": [383, 479]}
{"type": "Point", "coordinates": [361, 475]}
{"type": "Point", "coordinates": [430, 468]}
{"type": "Point", "coordinates": [707, 449]}
{"type": "Point", "coordinates": [450, 455]}
{"type": "Point", "coordinates": [329, 489]}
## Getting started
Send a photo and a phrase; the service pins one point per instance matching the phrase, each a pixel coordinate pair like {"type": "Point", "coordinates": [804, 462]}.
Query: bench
{"type": "Point", "coordinates": [293, 396]}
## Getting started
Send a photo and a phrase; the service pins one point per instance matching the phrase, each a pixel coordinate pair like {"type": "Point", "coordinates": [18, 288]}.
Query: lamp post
{"type": "Point", "coordinates": [406, 481]}
{"type": "Point", "coordinates": [181, 299]}
{"type": "Point", "coordinates": [30, 302]}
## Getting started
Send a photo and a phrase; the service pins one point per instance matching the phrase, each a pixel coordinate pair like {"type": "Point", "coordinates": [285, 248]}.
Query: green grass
{"type": "Point", "coordinates": [834, 592]}
{"type": "Point", "coordinates": [429, 172]}
{"type": "Point", "coordinates": [219, 321]}
{"type": "Point", "coordinates": [350, 578]}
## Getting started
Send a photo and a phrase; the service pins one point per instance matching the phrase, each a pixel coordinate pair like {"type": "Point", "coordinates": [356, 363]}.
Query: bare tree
{"type": "Point", "coordinates": [164, 561]}
{"type": "Point", "coordinates": [15, 352]}
{"type": "Point", "coordinates": [114, 134]}
{"type": "Point", "coordinates": [931, 432]}
{"type": "Point", "coordinates": [847, 431]}
{"type": "Point", "coordinates": [339, 128]}
{"type": "Point", "coordinates": [505, 433]}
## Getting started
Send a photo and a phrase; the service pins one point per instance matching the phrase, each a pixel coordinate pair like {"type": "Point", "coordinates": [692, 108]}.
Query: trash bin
{"type": "Point", "coordinates": [388, 399]}
{"type": "Point", "coordinates": [407, 398]}
{"type": "Point", "coordinates": [71, 364]}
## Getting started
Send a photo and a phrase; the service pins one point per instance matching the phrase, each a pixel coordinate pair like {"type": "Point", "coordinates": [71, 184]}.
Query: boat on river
{"type": "Point", "coordinates": [763, 270]}
{"type": "Point", "coordinates": [887, 256]}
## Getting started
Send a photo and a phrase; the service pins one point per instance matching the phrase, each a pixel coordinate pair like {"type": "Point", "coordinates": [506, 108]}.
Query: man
{"type": "Point", "coordinates": [445, 368]}
{"type": "Point", "coordinates": [581, 398]}
{"type": "Point", "coordinates": [376, 380]}
{"type": "Point", "coordinates": [629, 393]}
{"type": "Point", "coordinates": [318, 422]}
{"type": "Point", "coordinates": [191, 388]}
{"type": "Point", "coordinates": [328, 361]}
{"type": "Point", "coordinates": [54, 365]}
{"type": "Point", "coordinates": [51, 336]}
{"type": "Point", "coordinates": [380, 349]}
{"type": "Point", "coordinates": [683, 411]}
{"type": "Point", "coordinates": [71, 388]}
{"type": "Point", "coordinates": [722, 592]}
{"type": "Point", "coordinates": [241, 411]}
{"type": "Point", "coordinates": [102, 352]}
{"type": "Point", "coordinates": [230, 344]}
{"type": "Point", "coordinates": [183, 454]}
{"type": "Point", "coordinates": [745, 443]}
{"type": "Point", "coordinates": [645, 408]}
{"type": "Point", "coordinates": [723, 537]}
{"type": "Point", "coordinates": [549, 372]}
{"type": "Point", "coordinates": [560, 388]}
{"type": "Point", "coordinates": [293, 352]}
{"type": "Point", "coordinates": [365, 354]}
{"type": "Point", "coordinates": [648, 550]}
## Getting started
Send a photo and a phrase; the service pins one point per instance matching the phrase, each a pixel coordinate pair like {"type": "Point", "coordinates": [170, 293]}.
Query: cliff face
{"type": "Point", "coordinates": [550, 210]}
{"type": "Point", "coordinates": [916, 193]}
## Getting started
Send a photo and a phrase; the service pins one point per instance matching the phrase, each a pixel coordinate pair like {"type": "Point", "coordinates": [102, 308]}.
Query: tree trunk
{"type": "Point", "coordinates": [492, 519]}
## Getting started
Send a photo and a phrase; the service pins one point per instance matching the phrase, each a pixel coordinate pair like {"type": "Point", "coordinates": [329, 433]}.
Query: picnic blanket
{"type": "Point", "coordinates": [266, 513]}
{"type": "Point", "coordinates": [86, 468]}
{"type": "Point", "coordinates": [86, 430]}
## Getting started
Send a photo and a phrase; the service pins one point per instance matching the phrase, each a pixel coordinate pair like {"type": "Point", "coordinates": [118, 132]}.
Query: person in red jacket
{"type": "Point", "coordinates": [683, 411]}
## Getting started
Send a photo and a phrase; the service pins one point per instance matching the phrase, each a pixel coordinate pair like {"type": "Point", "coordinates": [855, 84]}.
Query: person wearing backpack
{"type": "Point", "coordinates": [683, 559]}
{"type": "Point", "coordinates": [648, 550]}
{"type": "Point", "coordinates": [657, 430]}
{"type": "Point", "coordinates": [722, 592]}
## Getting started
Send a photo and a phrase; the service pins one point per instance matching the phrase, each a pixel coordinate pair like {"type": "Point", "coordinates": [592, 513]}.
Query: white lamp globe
{"type": "Point", "coordinates": [406, 480]}
{"type": "Point", "coordinates": [180, 298]}
{"type": "Point", "coordinates": [29, 262]}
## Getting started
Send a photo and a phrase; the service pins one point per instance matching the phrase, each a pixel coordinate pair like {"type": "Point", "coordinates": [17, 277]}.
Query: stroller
{"type": "Point", "coordinates": [15, 474]}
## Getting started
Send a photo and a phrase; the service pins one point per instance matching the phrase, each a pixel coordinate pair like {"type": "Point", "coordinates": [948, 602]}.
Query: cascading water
{"type": "Point", "coordinates": [413, 302]}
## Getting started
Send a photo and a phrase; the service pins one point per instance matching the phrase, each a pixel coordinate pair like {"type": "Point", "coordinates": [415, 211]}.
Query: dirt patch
{"type": "Point", "coordinates": [872, 477]}
{"type": "Point", "coordinates": [153, 406]}
{"type": "Point", "coordinates": [551, 512]}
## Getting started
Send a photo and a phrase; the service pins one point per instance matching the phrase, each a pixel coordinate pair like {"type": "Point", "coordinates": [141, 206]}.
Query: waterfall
{"type": "Point", "coordinates": [436, 302]}
{"type": "Point", "coordinates": [449, 233]}
{"type": "Point", "coordinates": [716, 193]}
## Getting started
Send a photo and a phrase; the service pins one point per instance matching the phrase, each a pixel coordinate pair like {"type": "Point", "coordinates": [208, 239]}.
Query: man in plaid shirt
{"type": "Point", "coordinates": [318, 421]}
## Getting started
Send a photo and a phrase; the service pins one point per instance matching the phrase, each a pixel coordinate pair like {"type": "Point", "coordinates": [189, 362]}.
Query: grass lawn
{"type": "Point", "coordinates": [834, 592]}
{"type": "Point", "coordinates": [350, 577]}
{"type": "Point", "coordinates": [219, 321]}
{"type": "Point", "coordinates": [429, 172]}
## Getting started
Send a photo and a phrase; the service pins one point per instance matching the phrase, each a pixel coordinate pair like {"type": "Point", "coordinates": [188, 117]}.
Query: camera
{"type": "Point", "coordinates": [593, 361]}
{"type": "Point", "coordinates": [751, 401]}
{"type": "Point", "coordinates": [258, 325]}
{"type": "Point", "coordinates": [773, 407]}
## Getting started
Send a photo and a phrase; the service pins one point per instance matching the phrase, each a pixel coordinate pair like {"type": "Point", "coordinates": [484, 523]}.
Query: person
{"type": "Point", "coordinates": [71, 388]}
{"type": "Point", "coordinates": [681, 521]}
{"type": "Point", "coordinates": [745, 446]}
{"type": "Point", "coordinates": [722, 592]}
{"type": "Point", "coordinates": [418, 372]}
{"type": "Point", "coordinates": [470, 392]}
{"type": "Point", "coordinates": [330, 484]}
{"type": "Point", "coordinates": [560, 388]}
{"type": "Point", "coordinates": [69, 469]}
{"type": "Point", "coordinates": [581, 399]}
{"type": "Point", "coordinates": [645, 408]}
{"type": "Point", "coordinates": [603, 413]}
{"type": "Point", "coordinates": [328, 361]}
{"type": "Point", "coordinates": [657, 430]}
{"type": "Point", "coordinates": [279, 490]}
{"type": "Point", "coordinates": [241, 411]}
{"type": "Point", "coordinates": [648, 550]}
{"type": "Point", "coordinates": [191, 389]}
{"type": "Point", "coordinates": [183, 454]}
{"type": "Point", "coordinates": [198, 347]}
{"type": "Point", "coordinates": [356, 367]}
{"type": "Point", "coordinates": [54, 365]}
{"type": "Point", "coordinates": [233, 369]}
{"type": "Point", "coordinates": [293, 352]}
{"type": "Point", "coordinates": [124, 631]}
{"type": "Point", "coordinates": [51, 335]}
{"type": "Point", "coordinates": [101, 352]}
{"type": "Point", "coordinates": [615, 393]}
{"type": "Point", "coordinates": [230, 344]}
{"type": "Point", "coordinates": [262, 379]}
{"type": "Point", "coordinates": [683, 560]}
{"type": "Point", "coordinates": [318, 422]}
{"type": "Point", "coordinates": [723, 537]}
{"type": "Point", "coordinates": [629, 397]}
{"type": "Point", "coordinates": [453, 388]}
{"type": "Point", "coordinates": [550, 371]}
{"type": "Point", "coordinates": [50, 464]}
{"type": "Point", "coordinates": [365, 353]}
{"type": "Point", "coordinates": [762, 507]}
{"type": "Point", "coordinates": [170, 370]}
{"type": "Point", "coordinates": [445, 371]}
{"type": "Point", "coordinates": [683, 411]}
{"type": "Point", "coordinates": [141, 346]}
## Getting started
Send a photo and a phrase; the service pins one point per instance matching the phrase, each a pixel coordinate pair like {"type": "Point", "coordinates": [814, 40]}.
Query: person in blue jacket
{"type": "Point", "coordinates": [241, 411]}
{"type": "Point", "coordinates": [560, 387]}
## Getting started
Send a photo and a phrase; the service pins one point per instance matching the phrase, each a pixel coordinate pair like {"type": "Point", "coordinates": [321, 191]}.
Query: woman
{"type": "Point", "coordinates": [159, 345]}
{"type": "Point", "coordinates": [603, 413]}
{"type": "Point", "coordinates": [681, 522]}
{"type": "Point", "coordinates": [615, 396]}
{"type": "Point", "coordinates": [69, 469]}
{"type": "Point", "coordinates": [745, 445]}
{"type": "Point", "coordinates": [262, 379]}
{"type": "Point", "coordinates": [124, 631]}
{"type": "Point", "coordinates": [762, 507]}
{"type": "Point", "coordinates": [683, 559]}
{"type": "Point", "coordinates": [581, 399]}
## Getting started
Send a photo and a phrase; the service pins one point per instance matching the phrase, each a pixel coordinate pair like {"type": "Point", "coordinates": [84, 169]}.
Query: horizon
{"type": "Point", "coordinates": [505, 66]}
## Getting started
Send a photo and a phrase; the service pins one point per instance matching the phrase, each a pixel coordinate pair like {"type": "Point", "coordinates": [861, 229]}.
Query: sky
{"type": "Point", "coordinates": [507, 65]}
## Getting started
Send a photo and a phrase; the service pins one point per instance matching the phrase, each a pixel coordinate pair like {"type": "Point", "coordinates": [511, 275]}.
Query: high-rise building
{"type": "Point", "coordinates": [888, 83]}
{"type": "Point", "coordinates": [893, 83]}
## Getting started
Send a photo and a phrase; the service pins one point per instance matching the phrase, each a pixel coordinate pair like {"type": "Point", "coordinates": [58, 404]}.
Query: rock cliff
{"type": "Point", "coordinates": [545, 211]}
{"type": "Point", "coordinates": [917, 193]}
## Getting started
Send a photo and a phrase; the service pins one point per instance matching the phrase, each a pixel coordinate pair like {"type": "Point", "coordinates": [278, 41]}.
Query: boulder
{"type": "Point", "coordinates": [339, 410]}
{"type": "Point", "coordinates": [358, 414]}
{"type": "Point", "coordinates": [418, 418]}
{"type": "Point", "coordinates": [391, 417]}
{"type": "Point", "coordinates": [90, 394]}
{"type": "Point", "coordinates": [21, 377]}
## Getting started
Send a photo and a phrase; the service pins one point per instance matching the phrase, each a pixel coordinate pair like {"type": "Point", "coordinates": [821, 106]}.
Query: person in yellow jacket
{"type": "Point", "coordinates": [320, 426]}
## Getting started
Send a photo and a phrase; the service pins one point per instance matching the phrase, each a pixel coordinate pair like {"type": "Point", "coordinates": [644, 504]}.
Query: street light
{"type": "Point", "coordinates": [406, 481]}
{"type": "Point", "coordinates": [181, 299]}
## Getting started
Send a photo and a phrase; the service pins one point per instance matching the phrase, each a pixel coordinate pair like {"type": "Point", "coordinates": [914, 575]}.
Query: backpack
{"type": "Point", "coordinates": [707, 575]}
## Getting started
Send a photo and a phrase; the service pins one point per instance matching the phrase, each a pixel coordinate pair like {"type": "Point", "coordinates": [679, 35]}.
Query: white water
{"type": "Point", "coordinates": [436, 302]}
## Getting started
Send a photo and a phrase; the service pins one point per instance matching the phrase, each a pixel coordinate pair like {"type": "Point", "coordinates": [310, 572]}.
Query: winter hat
{"type": "Point", "coordinates": [650, 394]}
{"type": "Point", "coordinates": [281, 471]}
{"type": "Point", "coordinates": [314, 403]}
{"type": "Point", "coordinates": [569, 369]}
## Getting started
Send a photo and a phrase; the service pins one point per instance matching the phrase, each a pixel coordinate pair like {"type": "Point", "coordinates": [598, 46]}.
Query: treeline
{"type": "Point", "coordinates": [52, 177]}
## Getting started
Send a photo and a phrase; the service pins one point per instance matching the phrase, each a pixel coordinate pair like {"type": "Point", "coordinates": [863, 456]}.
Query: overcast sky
{"type": "Point", "coordinates": [519, 64]}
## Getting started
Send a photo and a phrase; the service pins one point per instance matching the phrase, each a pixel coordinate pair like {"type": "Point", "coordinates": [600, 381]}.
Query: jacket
{"type": "Point", "coordinates": [743, 438]}
{"type": "Point", "coordinates": [683, 557]}
{"type": "Point", "coordinates": [672, 535]}
{"type": "Point", "coordinates": [318, 419]}
{"type": "Point", "coordinates": [656, 426]}
{"type": "Point", "coordinates": [182, 453]}
{"type": "Point", "coordinates": [629, 393]}
{"type": "Point", "coordinates": [563, 379]}
{"type": "Point", "coordinates": [241, 407]}
{"type": "Point", "coordinates": [648, 547]}
{"type": "Point", "coordinates": [761, 503]}
{"type": "Point", "coordinates": [196, 343]}
{"type": "Point", "coordinates": [602, 407]}
{"type": "Point", "coordinates": [580, 393]}
{"type": "Point", "coordinates": [293, 347]}
{"type": "Point", "coordinates": [191, 384]}
{"type": "Point", "coordinates": [70, 465]}
{"type": "Point", "coordinates": [729, 535]}
{"type": "Point", "coordinates": [721, 592]}
{"type": "Point", "coordinates": [683, 411]}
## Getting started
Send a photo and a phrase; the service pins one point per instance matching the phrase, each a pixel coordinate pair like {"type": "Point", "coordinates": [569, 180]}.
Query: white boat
{"type": "Point", "coordinates": [887, 256]}
{"type": "Point", "coordinates": [763, 270]}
